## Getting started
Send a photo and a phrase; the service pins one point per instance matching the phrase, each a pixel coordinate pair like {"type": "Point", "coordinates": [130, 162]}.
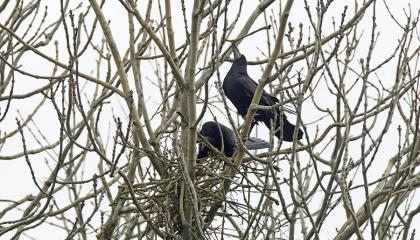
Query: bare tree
{"type": "Point", "coordinates": [101, 103]}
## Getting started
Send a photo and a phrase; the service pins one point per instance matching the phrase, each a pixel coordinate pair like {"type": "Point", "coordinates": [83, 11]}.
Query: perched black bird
{"type": "Point", "coordinates": [240, 88]}
{"type": "Point", "coordinates": [218, 134]}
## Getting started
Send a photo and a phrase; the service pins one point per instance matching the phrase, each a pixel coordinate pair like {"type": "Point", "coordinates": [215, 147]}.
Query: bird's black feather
{"type": "Point", "coordinates": [218, 135]}
{"type": "Point", "coordinates": [239, 88]}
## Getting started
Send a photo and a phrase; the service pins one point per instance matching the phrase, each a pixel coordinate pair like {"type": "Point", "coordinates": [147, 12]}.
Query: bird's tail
{"type": "Point", "coordinates": [256, 143]}
{"type": "Point", "coordinates": [287, 130]}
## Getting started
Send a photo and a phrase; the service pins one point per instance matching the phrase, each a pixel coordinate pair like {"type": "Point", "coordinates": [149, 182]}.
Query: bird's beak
{"type": "Point", "coordinates": [236, 53]}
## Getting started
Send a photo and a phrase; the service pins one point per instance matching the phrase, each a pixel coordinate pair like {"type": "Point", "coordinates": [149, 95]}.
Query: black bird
{"type": "Point", "coordinates": [218, 134]}
{"type": "Point", "coordinates": [239, 88]}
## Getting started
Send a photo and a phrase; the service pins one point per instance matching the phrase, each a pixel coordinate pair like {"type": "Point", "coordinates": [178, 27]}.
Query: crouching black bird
{"type": "Point", "coordinates": [239, 88]}
{"type": "Point", "coordinates": [219, 135]}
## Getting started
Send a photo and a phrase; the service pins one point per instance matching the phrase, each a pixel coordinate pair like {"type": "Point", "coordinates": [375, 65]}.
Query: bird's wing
{"type": "Point", "coordinates": [229, 137]}
{"type": "Point", "coordinates": [266, 99]}
{"type": "Point", "coordinates": [256, 143]}
{"type": "Point", "coordinates": [249, 86]}
{"type": "Point", "coordinates": [272, 98]}
{"type": "Point", "coordinates": [269, 100]}
{"type": "Point", "coordinates": [275, 100]}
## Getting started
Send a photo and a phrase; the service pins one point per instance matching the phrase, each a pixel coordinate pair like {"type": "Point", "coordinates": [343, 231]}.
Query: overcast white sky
{"type": "Point", "coordinates": [15, 180]}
